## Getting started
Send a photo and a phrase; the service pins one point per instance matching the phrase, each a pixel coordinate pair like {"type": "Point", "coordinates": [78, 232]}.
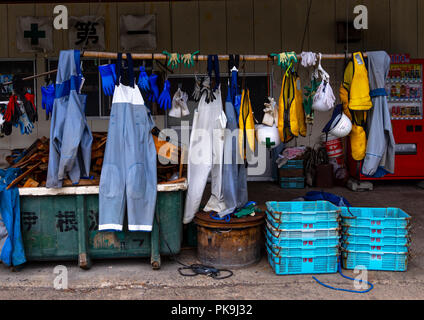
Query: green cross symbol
{"type": "Point", "coordinates": [34, 34]}
{"type": "Point", "coordinates": [268, 143]}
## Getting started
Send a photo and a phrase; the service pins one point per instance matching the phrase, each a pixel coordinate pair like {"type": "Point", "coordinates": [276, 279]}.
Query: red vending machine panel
{"type": "Point", "coordinates": [404, 87]}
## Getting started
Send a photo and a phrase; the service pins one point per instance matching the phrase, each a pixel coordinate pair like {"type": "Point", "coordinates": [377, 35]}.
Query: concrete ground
{"type": "Point", "coordinates": [134, 279]}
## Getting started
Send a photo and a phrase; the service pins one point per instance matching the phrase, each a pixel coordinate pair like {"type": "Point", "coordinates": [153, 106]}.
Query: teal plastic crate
{"type": "Point", "coordinates": [302, 211]}
{"type": "Point", "coordinates": [375, 261]}
{"type": "Point", "coordinates": [304, 251]}
{"type": "Point", "coordinates": [375, 217]}
{"type": "Point", "coordinates": [303, 233]}
{"type": "Point", "coordinates": [293, 164]}
{"type": "Point", "coordinates": [299, 265]}
{"type": "Point", "coordinates": [403, 240]}
{"type": "Point", "coordinates": [375, 231]}
{"type": "Point", "coordinates": [292, 183]}
{"type": "Point", "coordinates": [375, 248]}
{"type": "Point", "coordinates": [302, 242]}
{"type": "Point", "coordinates": [294, 225]}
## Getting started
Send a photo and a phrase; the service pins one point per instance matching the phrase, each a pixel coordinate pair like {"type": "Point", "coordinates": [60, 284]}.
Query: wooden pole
{"type": "Point", "coordinates": [160, 56]}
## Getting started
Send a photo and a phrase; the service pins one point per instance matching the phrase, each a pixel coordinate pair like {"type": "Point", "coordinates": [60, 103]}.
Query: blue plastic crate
{"type": "Point", "coordinates": [303, 233]}
{"type": "Point", "coordinates": [375, 217]}
{"type": "Point", "coordinates": [292, 183]}
{"type": "Point", "coordinates": [403, 240]}
{"type": "Point", "coordinates": [375, 248]}
{"type": "Point", "coordinates": [293, 164]}
{"type": "Point", "coordinates": [375, 261]}
{"type": "Point", "coordinates": [375, 231]}
{"type": "Point", "coordinates": [299, 265]}
{"type": "Point", "coordinates": [302, 211]}
{"type": "Point", "coordinates": [304, 251]}
{"type": "Point", "coordinates": [302, 242]}
{"type": "Point", "coordinates": [294, 225]}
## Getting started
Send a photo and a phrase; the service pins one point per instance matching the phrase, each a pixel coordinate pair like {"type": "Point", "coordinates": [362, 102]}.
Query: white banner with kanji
{"type": "Point", "coordinates": [87, 32]}
{"type": "Point", "coordinates": [138, 32]}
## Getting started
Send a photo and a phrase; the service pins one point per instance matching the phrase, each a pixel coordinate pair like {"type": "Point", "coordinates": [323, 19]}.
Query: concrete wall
{"type": "Point", "coordinates": [235, 26]}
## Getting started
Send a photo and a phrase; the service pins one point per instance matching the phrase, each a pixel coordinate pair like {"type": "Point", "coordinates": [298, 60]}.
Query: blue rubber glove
{"type": "Point", "coordinates": [165, 96]}
{"type": "Point", "coordinates": [25, 124]}
{"type": "Point", "coordinates": [108, 74]}
{"type": "Point", "coordinates": [47, 98]}
{"type": "Point", "coordinates": [154, 90]}
{"type": "Point", "coordinates": [143, 80]}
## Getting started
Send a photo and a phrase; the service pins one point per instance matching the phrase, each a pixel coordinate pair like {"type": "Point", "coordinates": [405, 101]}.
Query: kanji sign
{"type": "Point", "coordinates": [29, 219]}
{"type": "Point", "coordinates": [87, 32]}
{"type": "Point", "coordinates": [138, 32]}
{"type": "Point", "coordinates": [34, 34]}
{"type": "Point", "coordinates": [66, 221]}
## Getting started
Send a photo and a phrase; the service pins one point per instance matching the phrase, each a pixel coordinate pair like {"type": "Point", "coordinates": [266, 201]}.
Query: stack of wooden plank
{"type": "Point", "coordinates": [33, 162]}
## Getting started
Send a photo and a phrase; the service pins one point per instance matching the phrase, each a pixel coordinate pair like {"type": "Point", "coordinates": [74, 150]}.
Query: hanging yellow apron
{"type": "Point", "coordinates": [246, 125]}
{"type": "Point", "coordinates": [354, 94]}
{"type": "Point", "coordinates": [291, 115]}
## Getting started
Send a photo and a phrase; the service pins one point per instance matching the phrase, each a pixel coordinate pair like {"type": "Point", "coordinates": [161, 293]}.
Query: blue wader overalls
{"type": "Point", "coordinates": [12, 251]}
{"type": "Point", "coordinates": [128, 179]}
{"type": "Point", "coordinates": [234, 178]}
{"type": "Point", "coordinates": [70, 136]}
{"type": "Point", "coordinates": [380, 153]}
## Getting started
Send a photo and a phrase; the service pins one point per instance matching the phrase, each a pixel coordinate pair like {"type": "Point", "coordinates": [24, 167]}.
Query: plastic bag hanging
{"type": "Point", "coordinates": [324, 98]}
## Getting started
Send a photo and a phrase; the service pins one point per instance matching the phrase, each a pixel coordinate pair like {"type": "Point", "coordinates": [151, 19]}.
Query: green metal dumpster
{"type": "Point", "coordinates": [62, 224]}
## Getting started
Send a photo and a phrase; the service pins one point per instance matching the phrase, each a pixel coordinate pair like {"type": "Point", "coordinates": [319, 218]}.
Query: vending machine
{"type": "Point", "coordinates": [404, 87]}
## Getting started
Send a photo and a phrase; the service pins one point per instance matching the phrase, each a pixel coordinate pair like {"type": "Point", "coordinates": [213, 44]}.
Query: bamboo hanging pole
{"type": "Point", "coordinates": [224, 57]}
{"type": "Point", "coordinates": [160, 56]}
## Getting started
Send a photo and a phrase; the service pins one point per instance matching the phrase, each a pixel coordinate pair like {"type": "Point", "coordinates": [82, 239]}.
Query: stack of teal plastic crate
{"type": "Point", "coordinates": [291, 175]}
{"type": "Point", "coordinates": [302, 237]}
{"type": "Point", "coordinates": [375, 238]}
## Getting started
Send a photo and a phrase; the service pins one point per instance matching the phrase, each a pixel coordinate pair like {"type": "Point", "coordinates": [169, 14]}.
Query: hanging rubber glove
{"type": "Point", "coordinates": [31, 98]}
{"type": "Point", "coordinates": [285, 59]}
{"type": "Point", "coordinates": [308, 59]}
{"type": "Point", "coordinates": [24, 122]}
{"type": "Point", "coordinates": [197, 92]}
{"type": "Point", "coordinates": [213, 66]}
{"type": "Point", "coordinates": [173, 59]}
{"type": "Point", "coordinates": [143, 80]}
{"type": "Point", "coordinates": [47, 98]}
{"type": "Point", "coordinates": [154, 90]}
{"type": "Point", "coordinates": [179, 105]}
{"type": "Point", "coordinates": [187, 59]}
{"type": "Point", "coordinates": [165, 96]}
{"type": "Point", "coordinates": [207, 90]}
{"type": "Point", "coordinates": [10, 110]}
{"type": "Point", "coordinates": [108, 75]}
{"type": "Point", "coordinates": [30, 109]}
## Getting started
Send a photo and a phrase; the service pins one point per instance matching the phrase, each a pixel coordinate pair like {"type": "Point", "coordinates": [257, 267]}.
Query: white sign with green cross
{"type": "Point", "coordinates": [34, 34]}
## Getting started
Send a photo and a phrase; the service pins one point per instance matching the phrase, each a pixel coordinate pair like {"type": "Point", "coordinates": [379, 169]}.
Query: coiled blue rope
{"type": "Point", "coordinates": [227, 218]}
{"type": "Point", "coordinates": [346, 290]}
